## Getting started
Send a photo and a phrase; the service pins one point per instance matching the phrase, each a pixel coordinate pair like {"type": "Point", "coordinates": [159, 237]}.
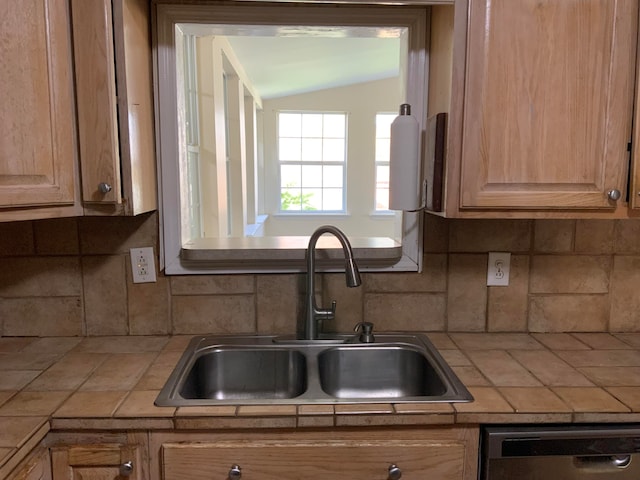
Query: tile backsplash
{"type": "Point", "coordinates": [68, 277]}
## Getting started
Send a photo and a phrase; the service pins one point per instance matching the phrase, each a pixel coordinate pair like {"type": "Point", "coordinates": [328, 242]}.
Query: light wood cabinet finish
{"type": "Point", "coordinates": [36, 467]}
{"type": "Point", "coordinates": [634, 177]}
{"type": "Point", "coordinates": [115, 105]}
{"type": "Point", "coordinates": [37, 157]}
{"type": "Point", "coordinates": [445, 454]}
{"type": "Point", "coordinates": [96, 98]}
{"type": "Point", "coordinates": [95, 462]}
{"type": "Point", "coordinates": [54, 158]}
{"type": "Point", "coordinates": [548, 104]}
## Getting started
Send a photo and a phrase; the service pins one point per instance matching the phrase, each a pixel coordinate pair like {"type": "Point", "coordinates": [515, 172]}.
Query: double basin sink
{"type": "Point", "coordinates": [223, 370]}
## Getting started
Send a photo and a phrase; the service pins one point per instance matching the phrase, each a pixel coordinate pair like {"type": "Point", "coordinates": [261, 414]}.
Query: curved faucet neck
{"type": "Point", "coordinates": [312, 313]}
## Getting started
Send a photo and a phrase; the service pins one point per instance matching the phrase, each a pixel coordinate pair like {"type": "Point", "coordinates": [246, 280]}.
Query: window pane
{"type": "Point", "coordinates": [382, 187]}
{"type": "Point", "coordinates": [290, 175]}
{"type": "Point", "coordinates": [332, 199]}
{"type": "Point", "coordinates": [333, 150]}
{"type": "Point", "coordinates": [383, 124]}
{"type": "Point", "coordinates": [289, 124]}
{"type": "Point", "coordinates": [382, 199]}
{"type": "Point", "coordinates": [289, 149]}
{"type": "Point", "coordinates": [383, 148]}
{"type": "Point", "coordinates": [312, 125]}
{"type": "Point", "coordinates": [312, 198]}
{"type": "Point", "coordinates": [334, 125]}
{"type": "Point", "coordinates": [311, 149]}
{"type": "Point", "coordinates": [290, 199]}
{"type": "Point", "coordinates": [382, 176]}
{"type": "Point", "coordinates": [312, 176]}
{"type": "Point", "coordinates": [332, 176]}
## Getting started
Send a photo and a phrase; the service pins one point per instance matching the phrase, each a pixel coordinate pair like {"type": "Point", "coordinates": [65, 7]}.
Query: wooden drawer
{"type": "Point", "coordinates": [289, 460]}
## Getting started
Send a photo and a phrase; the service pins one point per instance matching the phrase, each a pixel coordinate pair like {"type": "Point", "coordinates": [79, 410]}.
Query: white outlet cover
{"type": "Point", "coordinates": [143, 265]}
{"type": "Point", "coordinates": [498, 268]}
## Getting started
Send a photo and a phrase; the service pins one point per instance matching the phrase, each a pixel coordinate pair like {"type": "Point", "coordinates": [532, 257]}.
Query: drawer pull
{"type": "Point", "coordinates": [235, 472]}
{"type": "Point", "coordinates": [394, 472]}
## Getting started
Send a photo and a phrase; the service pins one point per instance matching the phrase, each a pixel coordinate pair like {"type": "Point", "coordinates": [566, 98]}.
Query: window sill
{"type": "Point", "coordinates": [286, 254]}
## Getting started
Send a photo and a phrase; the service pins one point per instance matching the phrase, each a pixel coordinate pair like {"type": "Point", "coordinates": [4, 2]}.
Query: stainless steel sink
{"type": "Point", "coordinates": [246, 373]}
{"type": "Point", "coordinates": [375, 372]}
{"type": "Point", "coordinates": [396, 368]}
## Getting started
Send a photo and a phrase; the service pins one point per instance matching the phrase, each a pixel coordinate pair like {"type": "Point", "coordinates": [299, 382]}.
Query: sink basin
{"type": "Point", "coordinates": [259, 369]}
{"type": "Point", "coordinates": [245, 373]}
{"type": "Point", "coordinates": [378, 372]}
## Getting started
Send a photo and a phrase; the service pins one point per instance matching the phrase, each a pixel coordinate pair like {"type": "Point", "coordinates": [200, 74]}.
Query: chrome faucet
{"type": "Point", "coordinates": [312, 313]}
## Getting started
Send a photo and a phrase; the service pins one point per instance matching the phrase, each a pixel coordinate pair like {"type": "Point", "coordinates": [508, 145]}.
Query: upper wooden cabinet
{"type": "Point", "coordinates": [66, 152]}
{"type": "Point", "coordinates": [114, 87]}
{"type": "Point", "coordinates": [634, 177]}
{"type": "Point", "coordinates": [542, 106]}
{"type": "Point", "coordinates": [37, 157]}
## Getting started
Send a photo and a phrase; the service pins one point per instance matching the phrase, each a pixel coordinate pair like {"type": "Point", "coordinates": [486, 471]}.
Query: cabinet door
{"type": "Point", "coordinates": [548, 103]}
{"type": "Point", "coordinates": [114, 86]}
{"type": "Point", "coordinates": [38, 467]}
{"type": "Point", "coordinates": [37, 159]}
{"type": "Point", "coordinates": [96, 462]}
{"type": "Point", "coordinates": [132, 36]}
{"type": "Point", "coordinates": [96, 97]}
{"type": "Point", "coordinates": [634, 178]}
{"type": "Point", "coordinates": [319, 460]}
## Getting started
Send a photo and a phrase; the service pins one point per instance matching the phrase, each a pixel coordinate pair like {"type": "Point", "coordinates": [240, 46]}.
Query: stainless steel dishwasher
{"type": "Point", "coordinates": [568, 452]}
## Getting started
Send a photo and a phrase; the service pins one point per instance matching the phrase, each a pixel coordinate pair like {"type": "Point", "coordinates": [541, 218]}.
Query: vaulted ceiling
{"type": "Point", "coordinates": [281, 66]}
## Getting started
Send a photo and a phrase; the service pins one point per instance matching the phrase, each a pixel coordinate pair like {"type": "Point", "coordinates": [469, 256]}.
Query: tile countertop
{"type": "Point", "coordinates": [110, 383]}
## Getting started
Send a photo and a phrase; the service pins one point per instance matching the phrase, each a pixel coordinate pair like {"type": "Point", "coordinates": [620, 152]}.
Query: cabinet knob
{"type": "Point", "coordinates": [235, 472]}
{"type": "Point", "coordinates": [104, 187]}
{"type": "Point", "coordinates": [126, 469]}
{"type": "Point", "coordinates": [394, 472]}
{"type": "Point", "coordinates": [614, 194]}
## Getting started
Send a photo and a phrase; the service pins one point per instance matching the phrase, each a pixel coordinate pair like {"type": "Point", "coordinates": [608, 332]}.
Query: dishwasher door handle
{"type": "Point", "coordinates": [602, 463]}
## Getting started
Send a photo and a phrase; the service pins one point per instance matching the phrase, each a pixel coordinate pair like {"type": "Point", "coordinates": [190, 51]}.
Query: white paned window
{"type": "Point", "coordinates": [312, 159]}
{"type": "Point", "coordinates": [383, 144]}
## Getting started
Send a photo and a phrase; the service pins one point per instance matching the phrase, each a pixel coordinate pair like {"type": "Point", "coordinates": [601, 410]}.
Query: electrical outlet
{"type": "Point", "coordinates": [143, 265]}
{"type": "Point", "coordinates": [498, 269]}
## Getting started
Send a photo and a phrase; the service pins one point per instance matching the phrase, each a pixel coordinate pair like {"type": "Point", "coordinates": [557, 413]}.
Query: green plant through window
{"type": "Point", "coordinates": [289, 201]}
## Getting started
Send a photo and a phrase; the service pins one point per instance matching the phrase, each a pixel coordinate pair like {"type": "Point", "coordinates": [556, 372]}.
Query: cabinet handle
{"type": "Point", "coordinates": [614, 194]}
{"type": "Point", "coordinates": [104, 187]}
{"type": "Point", "coordinates": [235, 472]}
{"type": "Point", "coordinates": [394, 472]}
{"type": "Point", "coordinates": [126, 469]}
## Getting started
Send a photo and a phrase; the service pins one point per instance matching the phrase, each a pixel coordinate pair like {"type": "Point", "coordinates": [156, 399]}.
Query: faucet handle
{"type": "Point", "coordinates": [331, 314]}
{"type": "Point", "coordinates": [327, 313]}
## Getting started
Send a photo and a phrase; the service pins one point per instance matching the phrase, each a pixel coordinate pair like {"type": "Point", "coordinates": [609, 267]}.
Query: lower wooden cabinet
{"type": "Point", "coordinates": [108, 456]}
{"type": "Point", "coordinates": [96, 462]}
{"type": "Point", "coordinates": [442, 453]}
{"type": "Point", "coordinates": [411, 453]}
{"type": "Point", "coordinates": [36, 467]}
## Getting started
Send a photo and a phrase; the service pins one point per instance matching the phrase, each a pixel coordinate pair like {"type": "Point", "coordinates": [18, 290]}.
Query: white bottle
{"type": "Point", "coordinates": [404, 162]}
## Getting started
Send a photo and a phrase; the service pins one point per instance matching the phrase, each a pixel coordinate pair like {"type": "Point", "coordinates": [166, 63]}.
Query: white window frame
{"type": "Point", "coordinates": [168, 16]}
{"type": "Point", "coordinates": [301, 162]}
